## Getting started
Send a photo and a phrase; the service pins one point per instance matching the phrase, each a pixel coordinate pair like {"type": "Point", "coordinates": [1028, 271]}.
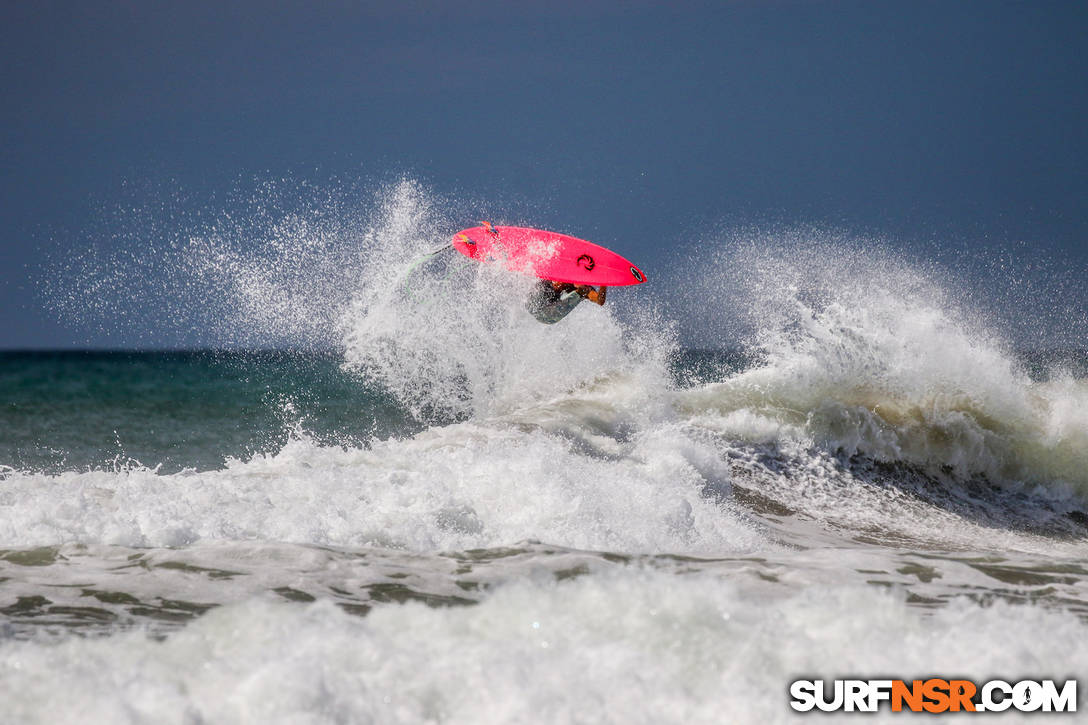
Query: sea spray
{"type": "Point", "coordinates": [451, 337]}
{"type": "Point", "coordinates": [862, 353]}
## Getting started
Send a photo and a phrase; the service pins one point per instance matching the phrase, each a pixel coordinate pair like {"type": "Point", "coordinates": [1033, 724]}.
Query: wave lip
{"type": "Point", "coordinates": [872, 358]}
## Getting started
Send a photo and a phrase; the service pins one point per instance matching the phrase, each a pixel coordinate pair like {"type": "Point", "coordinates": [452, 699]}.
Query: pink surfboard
{"type": "Point", "coordinates": [548, 255]}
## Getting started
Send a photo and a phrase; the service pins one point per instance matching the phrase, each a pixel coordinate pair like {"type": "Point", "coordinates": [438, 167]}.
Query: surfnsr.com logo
{"type": "Point", "coordinates": [934, 695]}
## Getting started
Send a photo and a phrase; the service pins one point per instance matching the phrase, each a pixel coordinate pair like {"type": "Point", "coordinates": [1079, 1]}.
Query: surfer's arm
{"type": "Point", "coordinates": [593, 295]}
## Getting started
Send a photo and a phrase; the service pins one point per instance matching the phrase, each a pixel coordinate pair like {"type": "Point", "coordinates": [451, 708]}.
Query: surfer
{"type": "Point", "coordinates": [550, 302]}
{"type": "Point", "coordinates": [589, 269]}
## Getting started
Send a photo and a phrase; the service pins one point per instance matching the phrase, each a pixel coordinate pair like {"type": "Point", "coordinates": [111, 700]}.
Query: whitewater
{"type": "Point", "coordinates": [591, 521]}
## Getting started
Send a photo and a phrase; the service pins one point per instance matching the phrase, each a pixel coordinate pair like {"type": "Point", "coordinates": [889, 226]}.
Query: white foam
{"type": "Point", "coordinates": [626, 646]}
{"type": "Point", "coordinates": [461, 486]}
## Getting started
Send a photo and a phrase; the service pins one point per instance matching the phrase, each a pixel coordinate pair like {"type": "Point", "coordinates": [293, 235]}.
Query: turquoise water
{"type": "Point", "coordinates": [86, 410]}
{"type": "Point", "coordinates": [174, 410]}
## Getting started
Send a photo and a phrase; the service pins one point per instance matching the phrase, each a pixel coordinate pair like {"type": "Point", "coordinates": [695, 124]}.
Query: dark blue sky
{"type": "Point", "coordinates": [947, 123]}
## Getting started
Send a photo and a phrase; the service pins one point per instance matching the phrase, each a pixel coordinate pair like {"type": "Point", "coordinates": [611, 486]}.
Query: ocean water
{"type": "Point", "coordinates": [442, 511]}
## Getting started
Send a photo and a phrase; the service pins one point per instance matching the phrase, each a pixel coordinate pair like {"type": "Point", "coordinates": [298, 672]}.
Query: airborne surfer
{"type": "Point", "coordinates": [549, 302]}
{"type": "Point", "coordinates": [569, 269]}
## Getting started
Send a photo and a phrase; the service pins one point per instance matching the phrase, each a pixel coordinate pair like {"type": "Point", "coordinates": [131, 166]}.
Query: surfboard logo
{"type": "Point", "coordinates": [586, 262]}
{"type": "Point", "coordinates": [636, 274]}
